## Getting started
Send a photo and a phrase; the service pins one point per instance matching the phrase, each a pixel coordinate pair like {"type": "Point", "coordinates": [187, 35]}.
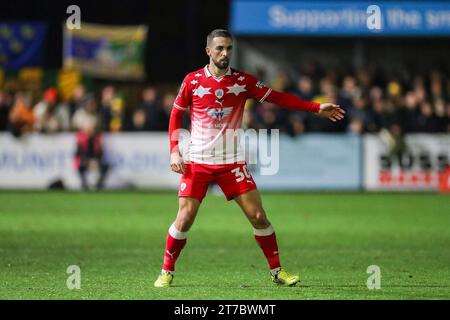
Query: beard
{"type": "Point", "coordinates": [222, 64]}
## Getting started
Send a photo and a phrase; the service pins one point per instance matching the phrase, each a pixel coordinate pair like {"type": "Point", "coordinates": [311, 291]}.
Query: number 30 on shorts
{"type": "Point", "coordinates": [241, 175]}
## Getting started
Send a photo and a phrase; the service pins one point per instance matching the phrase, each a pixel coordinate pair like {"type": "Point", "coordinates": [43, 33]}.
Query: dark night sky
{"type": "Point", "coordinates": [177, 29]}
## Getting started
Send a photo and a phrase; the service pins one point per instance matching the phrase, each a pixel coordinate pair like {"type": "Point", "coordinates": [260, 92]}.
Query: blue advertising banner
{"type": "Point", "coordinates": [347, 18]}
{"type": "Point", "coordinates": [21, 44]}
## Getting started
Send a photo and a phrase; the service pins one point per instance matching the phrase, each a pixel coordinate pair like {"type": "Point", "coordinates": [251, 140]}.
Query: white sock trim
{"type": "Point", "coordinates": [175, 233]}
{"type": "Point", "coordinates": [275, 271]}
{"type": "Point", "coordinates": [171, 272]}
{"type": "Point", "coordinates": [263, 232]}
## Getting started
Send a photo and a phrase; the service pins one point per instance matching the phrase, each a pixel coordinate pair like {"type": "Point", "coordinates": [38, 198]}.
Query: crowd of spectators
{"type": "Point", "coordinates": [109, 113]}
{"type": "Point", "coordinates": [372, 103]}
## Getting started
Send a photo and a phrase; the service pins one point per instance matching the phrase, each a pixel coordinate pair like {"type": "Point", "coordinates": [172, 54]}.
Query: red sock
{"type": "Point", "coordinates": [267, 241]}
{"type": "Point", "coordinates": [175, 242]}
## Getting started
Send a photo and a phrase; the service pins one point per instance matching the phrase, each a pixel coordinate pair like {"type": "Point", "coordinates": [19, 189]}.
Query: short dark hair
{"type": "Point", "coordinates": [217, 33]}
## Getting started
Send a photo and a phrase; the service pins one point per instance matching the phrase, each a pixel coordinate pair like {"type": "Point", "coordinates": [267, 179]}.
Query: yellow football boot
{"type": "Point", "coordinates": [285, 278]}
{"type": "Point", "coordinates": [164, 280]}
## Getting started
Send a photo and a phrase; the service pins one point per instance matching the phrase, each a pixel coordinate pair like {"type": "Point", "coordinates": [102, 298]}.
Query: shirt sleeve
{"type": "Point", "coordinates": [292, 102]}
{"type": "Point", "coordinates": [175, 122]}
{"type": "Point", "coordinates": [184, 97]}
{"type": "Point", "coordinates": [256, 89]}
{"type": "Point", "coordinates": [181, 104]}
{"type": "Point", "coordinates": [259, 91]}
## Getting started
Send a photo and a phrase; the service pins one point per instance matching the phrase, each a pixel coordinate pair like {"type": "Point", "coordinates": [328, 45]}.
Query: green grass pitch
{"type": "Point", "coordinates": [117, 239]}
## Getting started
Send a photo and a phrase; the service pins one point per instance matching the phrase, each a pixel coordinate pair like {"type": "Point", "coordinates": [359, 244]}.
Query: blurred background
{"type": "Point", "coordinates": [88, 108]}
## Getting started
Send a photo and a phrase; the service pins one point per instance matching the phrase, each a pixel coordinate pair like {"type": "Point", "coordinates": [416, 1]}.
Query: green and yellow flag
{"type": "Point", "coordinates": [112, 52]}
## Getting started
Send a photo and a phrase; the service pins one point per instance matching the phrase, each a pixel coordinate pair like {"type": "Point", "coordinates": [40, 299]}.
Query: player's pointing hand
{"type": "Point", "coordinates": [176, 162]}
{"type": "Point", "coordinates": [331, 111]}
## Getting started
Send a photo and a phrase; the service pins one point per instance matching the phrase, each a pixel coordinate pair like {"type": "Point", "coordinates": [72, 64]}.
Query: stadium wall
{"type": "Point", "coordinates": [310, 162]}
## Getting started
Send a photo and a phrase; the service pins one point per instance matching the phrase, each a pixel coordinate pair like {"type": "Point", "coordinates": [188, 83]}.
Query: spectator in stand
{"type": "Point", "coordinates": [5, 107]}
{"type": "Point", "coordinates": [296, 119]}
{"type": "Point", "coordinates": [305, 88]}
{"type": "Point", "coordinates": [282, 82]}
{"type": "Point", "coordinates": [408, 112]}
{"type": "Point", "coordinates": [427, 121]}
{"type": "Point", "coordinates": [79, 98]}
{"type": "Point", "coordinates": [436, 91]}
{"type": "Point", "coordinates": [419, 90]}
{"type": "Point", "coordinates": [21, 117]}
{"type": "Point", "coordinates": [155, 117]}
{"type": "Point", "coordinates": [376, 93]}
{"type": "Point", "coordinates": [377, 116]}
{"type": "Point", "coordinates": [106, 108]}
{"type": "Point", "coordinates": [120, 114]}
{"type": "Point", "coordinates": [139, 121]}
{"type": "Point", "coordinates": [359, 117]}
{"type": "Point", "coordinates": [349, 92]}
{"type": "Point", "coordinates": [439, 111]}
{"type": "Point", "coordinates": [316, 124]}
{"type": "Point", "coordinates": [51, 115]}
{"type": "Point", "coordinates": [390, 114]}
{"type": "Point", "coordinates": [364, 77]}
{"type": "Point", "coordinates": [167, 103]}
{"type": "Point", "coordinates": [86, 116]}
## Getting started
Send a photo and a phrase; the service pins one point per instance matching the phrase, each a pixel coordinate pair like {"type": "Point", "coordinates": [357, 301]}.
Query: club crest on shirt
{"type": "Point", "coordinates": [259, 84]}
{"type": "Point", "coordinates": [219, 93]}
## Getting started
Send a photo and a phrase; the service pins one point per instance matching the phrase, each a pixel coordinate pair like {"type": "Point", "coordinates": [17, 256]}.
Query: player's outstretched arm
{"type": "Point", "coordinates": [176, 160]}
{"type": "Point", "coordinates": [289, 101]}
